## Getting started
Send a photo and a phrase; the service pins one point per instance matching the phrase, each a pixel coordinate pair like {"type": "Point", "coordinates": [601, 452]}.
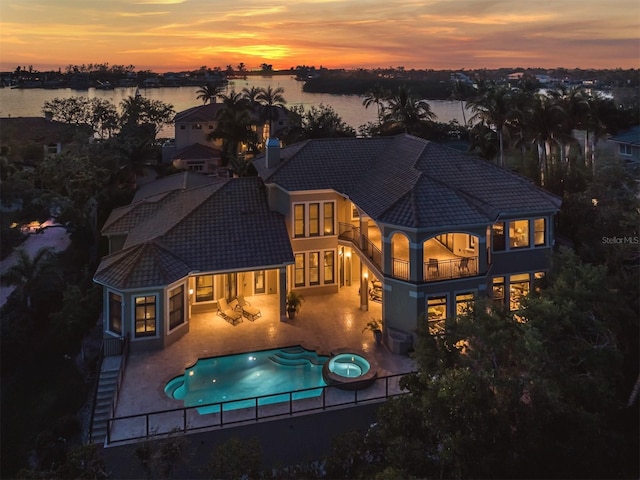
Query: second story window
{"type": "Point", "coordinates": [328, 218]}
{"type": "Point", "coordinates": [519, 234]}
{"type": "Point", "coordinates": [497, 239]}
{"type": "Point", "coordinates": [539, 232]}
{"type": "Point", "coordinates": [196, 126]}
{"type": "Point", "coordinates": [314, 219]}
{"type": "Point", "coordinates": [298, 220]}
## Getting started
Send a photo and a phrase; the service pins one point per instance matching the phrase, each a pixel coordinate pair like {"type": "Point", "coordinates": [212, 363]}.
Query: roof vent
{"type": "Point", "coordinates": [273, 153]}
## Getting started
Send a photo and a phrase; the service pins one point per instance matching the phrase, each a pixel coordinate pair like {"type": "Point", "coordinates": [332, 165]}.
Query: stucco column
{"type": "Point", "coordinates": [364, 288]}
{"type": "Point", "coordinates": [282, 291]}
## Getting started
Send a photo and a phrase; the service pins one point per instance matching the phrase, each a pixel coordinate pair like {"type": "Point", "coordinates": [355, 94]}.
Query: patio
{"type": "Point", "coordinates": [325, 323]}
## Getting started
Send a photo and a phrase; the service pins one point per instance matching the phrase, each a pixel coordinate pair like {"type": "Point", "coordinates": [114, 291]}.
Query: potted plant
{"type": "Point", "coordinates": [294, 301]}
{"type": "Point", "coordinates": [375, 326]}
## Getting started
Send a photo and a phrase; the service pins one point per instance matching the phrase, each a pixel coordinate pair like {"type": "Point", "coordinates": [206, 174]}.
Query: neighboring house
{"type": "Point", "coordinates": [427, 227]}
{"type": "Point", "coordinates": [627, 145]}
{"type": "Point", "coordinates": [193, 151]}
{"type": "Point", "coordinates": [32, 139]}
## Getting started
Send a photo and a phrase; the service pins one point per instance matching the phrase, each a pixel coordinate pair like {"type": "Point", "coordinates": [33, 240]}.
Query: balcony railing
{"type": "Point", "coordinates": [401, 269]}
{"type": "Point", "coordinates": [435, 269]}
{"type": "Point", "coordinates": [361, 242]}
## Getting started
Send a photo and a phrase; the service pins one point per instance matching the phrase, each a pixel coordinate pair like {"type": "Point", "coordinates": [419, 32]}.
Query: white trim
{"type": "Point", "coordinates": [133, 336]}
{"type": "Point", "coordinates": [321, 233]}
{"type": "Point", "coordinates": [122, 311]}
{"type": "Point", "coordinates": [185, 305]}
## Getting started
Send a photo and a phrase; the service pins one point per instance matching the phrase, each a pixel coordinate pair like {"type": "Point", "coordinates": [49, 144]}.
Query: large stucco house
{"type": "Point", "coordinates": [427, 227]}
{"type": "Point", "coordinates": [192, 150]}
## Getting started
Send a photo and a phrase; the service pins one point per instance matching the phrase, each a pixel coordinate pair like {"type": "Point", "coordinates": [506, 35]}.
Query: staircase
{"type": "Point", "coordinates": [107, 385]}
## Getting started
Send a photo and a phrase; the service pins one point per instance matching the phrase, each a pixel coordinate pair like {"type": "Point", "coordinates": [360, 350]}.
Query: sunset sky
{"type": "Point", "coordinates": [173, 35]}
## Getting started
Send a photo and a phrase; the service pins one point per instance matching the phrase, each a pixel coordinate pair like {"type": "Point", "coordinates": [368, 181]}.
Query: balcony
{"type": "Point", "coordinates": [436, 269]}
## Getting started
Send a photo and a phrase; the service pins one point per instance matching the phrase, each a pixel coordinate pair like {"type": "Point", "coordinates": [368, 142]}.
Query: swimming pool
{"type": "Point", "coordinates": [238, 378]}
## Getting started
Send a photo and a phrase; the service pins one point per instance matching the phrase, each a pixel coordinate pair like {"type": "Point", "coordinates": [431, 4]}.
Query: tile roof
{"type": "Point", "coordinates": [223, 226]}
{"type": "Point", "coordinates": [197, 151]}
{"type": "Point", "coordinates": [408, 181]}
{"type": "Point", "coordinates": [630, 136]}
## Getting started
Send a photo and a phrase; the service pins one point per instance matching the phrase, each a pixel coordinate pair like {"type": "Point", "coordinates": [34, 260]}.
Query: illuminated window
{"type": "Point", "coordinates": [464, 302]}
{"type": "Point", "coordinates": [328, 266]}
{"type": "Point", "coordinates": [498, 237]}
{"type": "Point", "coordinates": [518, 288]}
{"type": "Point", "coordinates": [437, 308]}
{"type": "Point", "coordinates": [539, 233]}
{"type": "Point", "coordinates": [196, 126]}
{"type": "Point", "coordinates": [299, 270]}
{"type": "Point", "coordinates": [176, 307]}
{"type": "Point", "coordinates": [314, 268]}
{"type": "Point", "coordinates": [538, 279]}
{"type": "Point", "coordinates": [204, 288]}
{"type": "Point", "coordinates": [145, 316]}
{"type": "Point", "coordinates": [498, 291]}
{"type": "Point", "coordinates": [115, 313]}
{"type": "Point", "coordinates": [328, 218]}
{"type": "Point", "coordinates": [298, 212]}
{"type": "Point", "coordinates": [314, 219]}
{"type": "Point", "coordinates": [519, 234]}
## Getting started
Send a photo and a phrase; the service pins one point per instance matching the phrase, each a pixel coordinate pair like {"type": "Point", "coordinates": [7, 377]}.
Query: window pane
{"type": "Point", "coordinates": [437, 308]}
{"type": "Point", "coordinates": [145, 316]}
{"type": "Point", "coordinates": [498, 237]}
{"type": "Point", "coordinates": [176, 307]}
{"type": "Point", "coordinates": [464, 302]}
{"type": "Point", "coordinates": [519, 287]}
{"type": "Point", "coordinates": [328, 266]}
{"type": "Point", "coordinates": [314, 219]}
{"type": "Point", "coordinates": [298, 211]}
{"type": "Point", "coordinates": [314, 268]}
{"type": "Point", "coordinates": [519, 234]}
{"type": "Point", "coordinates": [328, 218]}
{"type": "Point", "coordinates": [115, 313]}
{"type": "Point", "coordinates": [539, 236]}
{"type": "Point", "coordinates": [299, 270]}
{"type": "Point", "coordinates": [498, 290]}
{"type": "Point", "coordinates": [204, 288]}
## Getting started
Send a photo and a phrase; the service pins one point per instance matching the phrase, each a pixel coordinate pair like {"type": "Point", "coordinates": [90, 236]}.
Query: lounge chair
{"type": "Point", "coordinates": [228, 313]}
{"type": "Point", "coordinates": [247, 310]}
{"type": "Point", "coordinates": [464, 265]}
{"type": "Point", "coordinates": [434, 266]}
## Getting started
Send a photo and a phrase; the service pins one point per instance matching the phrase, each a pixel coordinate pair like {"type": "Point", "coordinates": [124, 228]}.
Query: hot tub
{"type": "Point", "coordinates": [349, 371]}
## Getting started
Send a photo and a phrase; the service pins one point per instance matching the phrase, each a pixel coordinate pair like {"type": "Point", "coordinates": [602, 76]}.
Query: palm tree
{"type": "Point", "coordinates": [376, 95]}
{"type": "Point", "coordinates": [251, 94]}
{"type": "Point", "coordinates": [27, 274]}
{"type": "Point", "coordinates": [235, 126]}
{"type": "Point", "coordinates": [494, 107]}
{"type": "Point", "coordinates": [460, 91]}
{"type": "Point", "coordinates": [404, 110]}
{"type": "Point", "coordinates": [272, 102]}
{"type": "Point", "coordinates": [209, 92]}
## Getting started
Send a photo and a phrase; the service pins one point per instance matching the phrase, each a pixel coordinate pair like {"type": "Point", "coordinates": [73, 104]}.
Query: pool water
{"type": "Point", "coordinates": [238, 378]}
{"type": "Point", "coordinates": [349, 365]}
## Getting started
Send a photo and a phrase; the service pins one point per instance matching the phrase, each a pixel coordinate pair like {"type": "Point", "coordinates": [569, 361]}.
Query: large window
{"type": "Point", "coordinates": [539, 232]}
{"type": "Point", "coordinates": [145, 316]}
{"type": "Point", "coordinates": [519, 234]}
{"type": "Point", "coordinates": [298, 221]}
{"type": "Point", "coordinates": [437, 308]}
{"type": "Point", "coordinates": [328, 218]}
{"type": "Point", "coordinates": [176, 307]}
{"type": "Point", "coordinates": [115, 313]}
{"type": "Point", "coordinates": [498, 291]}
{"type": "Point", "coordinates": [204, 288]}
{"type": "Point", "coordinates": [498, 237]}
{"type": "Point", "coordinates": [329, 257]}
{"type": "Point", "coordinates": [464, 303]}
{"type": "Point", "coordinates": [299, 270]}
{"type": "Point", "coordinates": [518, 288]}
{"type": "Point", "coordinates": [314, 268]}
{"type": "Point", "coordinates": [314, 219]}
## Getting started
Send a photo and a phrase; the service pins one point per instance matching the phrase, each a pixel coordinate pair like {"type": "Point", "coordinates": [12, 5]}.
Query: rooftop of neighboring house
{"type": "Point", "coordinates": [408, 181]}
{"type": "Point", "coordinates": [209, 113]}
{"type": "Point", "coordinates": [630, 136]}
{"type": "Point", "coordinates": [189, 222]}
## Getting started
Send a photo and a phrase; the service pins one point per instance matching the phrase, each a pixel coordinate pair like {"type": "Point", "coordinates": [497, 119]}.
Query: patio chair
{"type": "Point", "coordinates": [228, 313]}
{"type": "Point", "coordinates": [463, 265]}
{"type": "Point", "coordinates": [433, 266]}
{"type": "Point", "coordinates": [247, 310]}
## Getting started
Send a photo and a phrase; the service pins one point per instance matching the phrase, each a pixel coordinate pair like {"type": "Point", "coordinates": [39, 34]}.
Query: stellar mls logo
{"type": "Point", "coordinates": [621, 240]}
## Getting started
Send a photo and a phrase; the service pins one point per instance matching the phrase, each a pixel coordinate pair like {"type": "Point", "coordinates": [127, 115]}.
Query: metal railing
{"type": "Point", "coordinates": [371, 251]}
{"type": "Point", "coordinates": [189, 419]}
{"type": "Point", "coordinates": [347, 231]}
{"type": "Point", "coordinates": [436, 270]}
{"type": "Point", "coordinates": [400, 268]}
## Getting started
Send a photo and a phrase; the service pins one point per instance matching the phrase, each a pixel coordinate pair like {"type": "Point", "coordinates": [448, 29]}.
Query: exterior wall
{"type": "Point", "coordinates": [190, 135]}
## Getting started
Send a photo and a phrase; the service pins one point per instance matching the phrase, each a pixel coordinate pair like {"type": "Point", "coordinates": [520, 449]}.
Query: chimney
{"type": "Point", "coordinates": [272, 157]}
